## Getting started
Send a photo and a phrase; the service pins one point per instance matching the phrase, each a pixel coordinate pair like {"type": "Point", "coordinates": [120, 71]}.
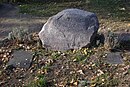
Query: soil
{"type": "Point", "coordinates": [60, 69]}
{"type": "Point", "coordinates": [10, 18]}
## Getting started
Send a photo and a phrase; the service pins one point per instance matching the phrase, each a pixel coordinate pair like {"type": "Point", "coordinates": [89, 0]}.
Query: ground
{"type": "Point", "coordinates": [83, 67]}
{"type": "Point", "coordinates": [10, 18]}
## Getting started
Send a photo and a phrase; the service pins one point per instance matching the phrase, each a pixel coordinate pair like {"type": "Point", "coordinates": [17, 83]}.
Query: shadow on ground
{"type": "Point", "coordinates": [10, 18]}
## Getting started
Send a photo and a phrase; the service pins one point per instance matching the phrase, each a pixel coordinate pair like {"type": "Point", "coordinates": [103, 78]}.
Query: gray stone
{"type": "Point", "coordinates": [124, 41]}
{"type": "Point", "coordinates": [114, 58]}
{"type": "Point", "coordinates": [21, 59]}
{"type": "Point", "coordinates": [119, 41]}
{"type": "Point", "coordinates": [69, 29]}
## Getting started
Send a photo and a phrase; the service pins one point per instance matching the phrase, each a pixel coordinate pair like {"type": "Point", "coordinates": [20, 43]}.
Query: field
{"type": "Point", "coordinates": [86, 67]}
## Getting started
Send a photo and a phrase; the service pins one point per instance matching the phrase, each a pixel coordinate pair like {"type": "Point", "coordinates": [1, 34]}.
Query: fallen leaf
{"type": "Point", "coordinates": [80, 71]}
{"type": "Point", "coordinates": [75, 83]}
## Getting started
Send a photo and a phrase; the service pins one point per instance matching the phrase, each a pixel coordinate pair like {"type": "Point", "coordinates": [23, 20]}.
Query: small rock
{"type": "Point", "coordinates": [21, 59]}
{"type": "Point", "coordinates": [119, 41]}
{"type": "Point", "coordinates": [114, 58]}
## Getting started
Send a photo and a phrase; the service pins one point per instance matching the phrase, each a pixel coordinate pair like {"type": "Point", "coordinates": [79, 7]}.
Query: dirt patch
{"type": "Point", "coordinates": [10, 18]}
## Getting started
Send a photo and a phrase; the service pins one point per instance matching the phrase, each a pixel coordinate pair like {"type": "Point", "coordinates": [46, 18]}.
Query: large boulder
{"type": "Point", "coordinates": [69, 29]}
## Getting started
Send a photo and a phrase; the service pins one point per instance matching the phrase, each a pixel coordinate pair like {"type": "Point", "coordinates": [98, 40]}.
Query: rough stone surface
{"type": "Point", "coordinates": [21, 59]}
{"type": "Point", "coordinates": [69, 29]}
{"type": "Point", "coordinates": [124, 41]}
{"type": "Point", "coordinates": [119, 41]}
{"type": "Point", "coordinates": [114, 58]}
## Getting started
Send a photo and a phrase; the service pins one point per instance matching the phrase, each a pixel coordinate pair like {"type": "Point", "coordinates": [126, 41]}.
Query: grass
{"type": "Point", "coordinates": [105, 80]}
{"type": "Point", "coordinates": [48, 9]}
{"type": "Point", "coordinates": [55, 55]}
{"type": "Point", "coordinates": [82, 55]}
{"type": "Point", "coordinates": [39, 81]}
{"type": "Point", "coordinates": [116, 9]}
